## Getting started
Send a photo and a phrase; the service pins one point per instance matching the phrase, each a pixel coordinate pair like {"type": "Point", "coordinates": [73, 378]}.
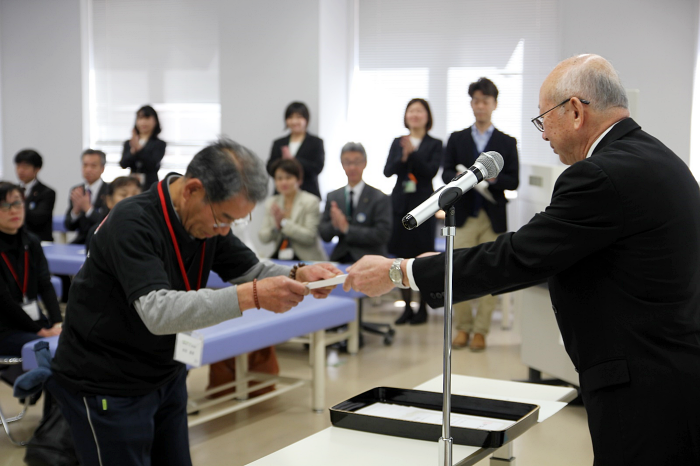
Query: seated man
{"type": "Point", "coordinates": [86, 199]}
{"type": "Point", "coordinates": [39, 199]}
{"type": "Point", "coordinates": [358, 214]}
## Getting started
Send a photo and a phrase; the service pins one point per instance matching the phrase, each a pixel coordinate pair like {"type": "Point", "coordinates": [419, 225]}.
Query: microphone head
{"type": "Point", "coordinates": [492, 161]}
{"type": "Point", "coordinates": [409, 222]}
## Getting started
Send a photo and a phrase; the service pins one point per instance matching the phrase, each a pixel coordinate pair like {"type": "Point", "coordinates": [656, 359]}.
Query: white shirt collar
{"type": "Point", "coordinates": [29, 186]}
{"type": "Point", "coordinates": [356, 191]}
{"type": "Point", "coordinates": [595, 144]}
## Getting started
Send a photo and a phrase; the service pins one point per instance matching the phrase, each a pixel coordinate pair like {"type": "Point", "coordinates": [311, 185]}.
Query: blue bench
{"type": "Point", "coordinates": [255, 330]}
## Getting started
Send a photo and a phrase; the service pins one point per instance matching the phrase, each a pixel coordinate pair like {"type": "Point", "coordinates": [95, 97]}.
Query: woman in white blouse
{"type": "Point", "coordinates": [292, 216]}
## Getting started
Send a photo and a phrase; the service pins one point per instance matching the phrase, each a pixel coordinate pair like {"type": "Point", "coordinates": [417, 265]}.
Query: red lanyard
{"type": "Point", "coordinates": [23, 286]}
{"type": "Point", "coordinates": [175, 245]}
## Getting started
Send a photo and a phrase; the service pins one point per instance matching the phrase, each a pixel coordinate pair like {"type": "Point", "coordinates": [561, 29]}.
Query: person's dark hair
{"type": "Point", "coordinates": [353, 147]}
{"type": "Point", "coordinates": [425, 104]}
{"type": "Point", "coordinates": [227, 169]}
{"type": "Point", "coordinates": [29, 156]}
{"type": "Point", "coordinates": [120, 182]}
{"type": "Point", "coordinates": [7, 187]}
{"type": "Point", "coordinates": [291, 166]}
{"type": "Point", "coordinates": [486, 86]}
{"type": "Point", "coordinates": [103, 157]}
{"type": "Point", "coordinates": [148, 111]}
{"type": "Point", "coordinates": [297, 107]}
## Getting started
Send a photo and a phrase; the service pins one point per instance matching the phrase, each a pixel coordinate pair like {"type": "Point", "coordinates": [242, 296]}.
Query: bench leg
{"type": "Point", "coordinates": [241, 375]}
{"type": "Point", "coordinates": [318, 349]}
{"type": "Point", "coordinates": [354, 329]}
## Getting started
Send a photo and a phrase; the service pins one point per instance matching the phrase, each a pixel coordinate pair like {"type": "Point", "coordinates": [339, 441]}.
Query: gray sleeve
{"type": "Point", "coordinates": [262, 269]}
{"type": "Point", "coordinates": [166, 312]}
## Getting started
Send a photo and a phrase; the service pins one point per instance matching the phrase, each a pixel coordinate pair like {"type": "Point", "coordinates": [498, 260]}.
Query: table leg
{"type": "Point", "coordinates": [354, 329]}
{"type": "Point", "coordinates": [241, 376]}
{"type": "Point", "coordinates": [503, 456]}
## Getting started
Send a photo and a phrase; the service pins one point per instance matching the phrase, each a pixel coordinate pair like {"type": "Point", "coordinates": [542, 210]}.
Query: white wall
{"type": "Point", "coordinates": [41, 85]}
{"type": "Point", "coordinates": [652, 45]}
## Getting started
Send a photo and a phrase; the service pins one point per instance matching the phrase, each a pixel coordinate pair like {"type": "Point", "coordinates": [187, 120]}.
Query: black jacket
{"type": "Point", "coordinates": [461, 149]}
{"type": "Point", "coordinates": [146, 161]}
{"type": "Point", "coordinates": [310, 155]}
{"type": "Point", "coordinates": [620, 247]}
{"type": "Point", "coordinates": [12, 316]}
{"type": "Point", "coordinates": [83, 223]}
{"type": "Point", "coordinates": [38, 211]}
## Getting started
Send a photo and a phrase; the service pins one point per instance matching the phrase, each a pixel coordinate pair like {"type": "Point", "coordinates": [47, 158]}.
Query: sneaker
{"type": "Point", "coordinates": [461, 340]}
{"type": "Point", "coordinates": [478, 343]}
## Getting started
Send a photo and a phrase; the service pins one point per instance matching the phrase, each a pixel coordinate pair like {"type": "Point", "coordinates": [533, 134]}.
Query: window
{"type": "Point", "coordinates": [161, 53]}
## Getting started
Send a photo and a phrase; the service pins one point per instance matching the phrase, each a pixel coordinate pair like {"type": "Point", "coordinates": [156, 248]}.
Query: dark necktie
{"type": "Point", "coordinates": [350, 207]}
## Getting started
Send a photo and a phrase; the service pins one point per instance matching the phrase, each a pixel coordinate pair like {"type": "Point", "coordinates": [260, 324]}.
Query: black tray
{"type": "Point", "coordinates": [343, 415]}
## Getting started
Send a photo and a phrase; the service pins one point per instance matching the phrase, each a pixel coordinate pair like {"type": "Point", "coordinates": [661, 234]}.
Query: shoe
{"type": "Point", "coordinates": [478, 343]}
{"type": "Point", "coordinates": [461, 340]}
{"type": "Point", "coordinates": [420, 317]}
{"type": "Point", "coordinates": [405, 317]}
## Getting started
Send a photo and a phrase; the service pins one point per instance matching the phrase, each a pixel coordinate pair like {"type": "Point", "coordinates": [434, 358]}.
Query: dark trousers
{"type": "Point", "coordinates": [146, 430]}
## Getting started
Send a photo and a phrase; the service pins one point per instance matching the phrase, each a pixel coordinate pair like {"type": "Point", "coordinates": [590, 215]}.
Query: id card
{"type": "Point", "coordinates": [286, 254]}
{"type": "Point", "coordinates": [32, 310]}
{"type": "Point", "coordinates": [189, 347]}
{"type": "Point", "coordinates": [409, 186]}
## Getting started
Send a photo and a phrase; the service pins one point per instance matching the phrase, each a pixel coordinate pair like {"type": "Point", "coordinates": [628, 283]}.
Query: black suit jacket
{"type": "Point", "coordinates": [146, 161]}
{"type": "Point", "coordinates": [370, 227]}
{"type": "Point", "coordinates": [461, 149]}
{"type": "Point", "coordinates": [82, 224]}
{"type": "Point", "coordinates": [38, 211]}
{"type": "Point", "coordinates": [310, 155]}
{"type": "Point", "coordinates": [620, 247]}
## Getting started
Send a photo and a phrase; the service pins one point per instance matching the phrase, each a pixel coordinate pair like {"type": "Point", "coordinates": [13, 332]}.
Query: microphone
{"type": "Point", "coordinates": [488, 165]}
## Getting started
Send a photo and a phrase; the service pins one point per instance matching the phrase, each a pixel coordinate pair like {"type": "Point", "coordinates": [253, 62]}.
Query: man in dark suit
{"type": "Point", "coordinates": [39, 199]}
{"type": "Point", "coordinates": [358, 214]}
{"type": "Point", "coordinates": [481, 213]}
{"type": "Point", "coordinates": [87, 198]}
{"type": "Point", "coordinates": [620, 247]}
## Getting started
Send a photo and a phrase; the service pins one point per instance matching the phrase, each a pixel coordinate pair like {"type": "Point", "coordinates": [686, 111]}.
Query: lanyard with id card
{"type": "Point", "coordinates": [189, 346]}
{"type": "Point", "coordinates": [30, 307]}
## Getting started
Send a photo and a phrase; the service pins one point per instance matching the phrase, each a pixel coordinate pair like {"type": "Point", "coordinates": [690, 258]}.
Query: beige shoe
{"type": "Point", "coordinates": [478, 342]}
{"type": "Point", "coordinates": [461, 340]}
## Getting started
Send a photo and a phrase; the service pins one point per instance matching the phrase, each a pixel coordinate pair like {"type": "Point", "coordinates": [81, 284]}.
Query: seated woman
{"type": "Point", "coordinates": [24, 275]}
{"type": "Point", "coordinates": [118, 190]}
{"type": "Point", "coordinates": [292, 216]}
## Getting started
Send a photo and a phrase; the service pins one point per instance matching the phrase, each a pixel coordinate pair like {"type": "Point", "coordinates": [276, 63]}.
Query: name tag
{"type": "Point", "coordinates": [32, 310]}
{"type": "Point", "coordinates": [409, 186]}
{"type": "Point", "coordinates": [286, 254]}
{"type": "Point", "coordinates": [189, 347]}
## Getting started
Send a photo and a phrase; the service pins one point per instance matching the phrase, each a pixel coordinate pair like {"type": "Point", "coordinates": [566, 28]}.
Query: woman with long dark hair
{"type": "Point", "coordinates": [144, 151]}
{"type": "Point", "coordinates": [415, 160]}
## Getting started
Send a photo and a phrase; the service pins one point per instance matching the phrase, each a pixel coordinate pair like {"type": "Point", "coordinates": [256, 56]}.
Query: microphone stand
{"type": "Point", "coordinates": [446, 203]}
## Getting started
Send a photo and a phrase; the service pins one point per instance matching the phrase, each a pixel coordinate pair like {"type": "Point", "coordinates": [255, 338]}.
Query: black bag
{"type": "Point", "coordinates": [51, 444]}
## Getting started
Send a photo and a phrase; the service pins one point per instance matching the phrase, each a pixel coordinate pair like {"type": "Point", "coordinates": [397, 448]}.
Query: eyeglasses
{"type": "Point", "coordinates": [538, 121]}
{"type": "Point", "coordinates": [239, 222]}
{"type": "Point", "coordinates": [6, 206]}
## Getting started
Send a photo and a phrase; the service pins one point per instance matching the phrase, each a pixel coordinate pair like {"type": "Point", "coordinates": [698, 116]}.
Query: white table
{"type": "Point", "coordinates": [341, 447]}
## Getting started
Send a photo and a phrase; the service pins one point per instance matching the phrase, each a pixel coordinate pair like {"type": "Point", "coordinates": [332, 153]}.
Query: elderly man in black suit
{"type": "Point", "coordinates": [620, 247]}
{"type": "Point", "coordinates": [358, 214]}
{"type": "Point", "coordinates": [87, 199]}
{"type": "Point", "coordinates": [481, 213]}
{"type": "Point", "coordinates": [39, 199]}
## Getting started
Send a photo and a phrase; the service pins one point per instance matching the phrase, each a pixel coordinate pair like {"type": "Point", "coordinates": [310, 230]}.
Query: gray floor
{"type": "Point", "coordinates": [415, 357]}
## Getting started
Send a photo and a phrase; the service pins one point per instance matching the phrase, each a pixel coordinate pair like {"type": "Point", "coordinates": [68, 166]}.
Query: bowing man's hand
{"type": "Point", "coordinates": [276, 294]}
{"type": "Point", "coordinates": [370, 275]}
{"type": "Point", "coordinates": [316, 272]}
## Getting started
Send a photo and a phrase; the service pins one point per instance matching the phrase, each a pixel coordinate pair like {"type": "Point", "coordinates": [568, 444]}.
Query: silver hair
{"type": "Point", "coordinates": [354, 147]}
{"type": "Point", "coordinates": [593, 78]}
{"type": "Point", "coordinates": [227, 169]}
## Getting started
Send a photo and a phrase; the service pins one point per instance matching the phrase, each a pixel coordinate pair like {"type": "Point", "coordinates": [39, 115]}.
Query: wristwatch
{"type": "Point", "coordinates": [396, 274]}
